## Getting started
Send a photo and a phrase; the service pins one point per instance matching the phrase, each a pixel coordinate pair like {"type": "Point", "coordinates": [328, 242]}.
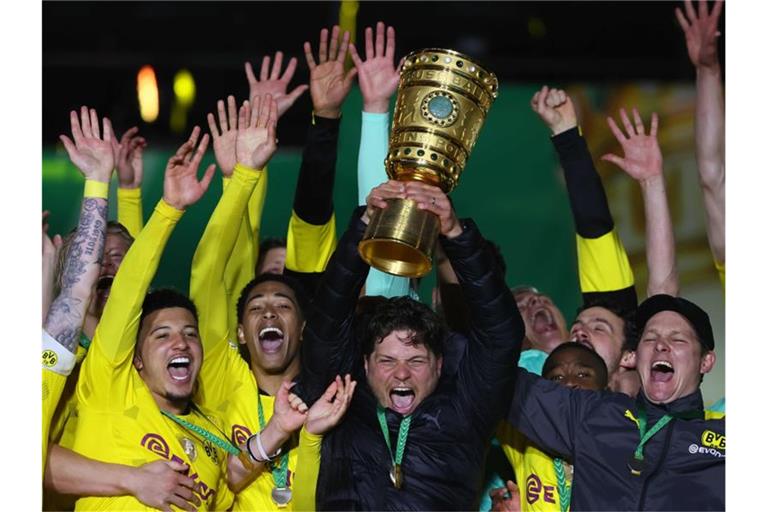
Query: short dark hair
{"type": "Point", "coordinates": [165, 298]}
{"type": "Point", "coordinates": [267, 245]}
{"type": "Point", "coordinates": [404, 313]}
{"type": "Point", "coordinates": [600, 367]}
{"type": "Point", "coordinates": [627, 315]}
{"type": "Point", "coordinates": [298, 290]}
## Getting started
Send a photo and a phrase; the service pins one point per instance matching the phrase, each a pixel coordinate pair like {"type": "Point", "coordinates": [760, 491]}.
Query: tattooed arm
{"type": "Point", "coordinates": [92, 154]}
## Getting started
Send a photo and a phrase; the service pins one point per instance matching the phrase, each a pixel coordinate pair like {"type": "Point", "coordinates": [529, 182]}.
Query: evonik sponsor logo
{"type": "Point", "coordinates": [694, 449]}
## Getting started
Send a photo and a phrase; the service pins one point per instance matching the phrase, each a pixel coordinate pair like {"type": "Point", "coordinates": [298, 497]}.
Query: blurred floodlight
{"type": "Point", "coordinates": [149, 98]}
{"type": "Point", "coordinates": [184, 88]}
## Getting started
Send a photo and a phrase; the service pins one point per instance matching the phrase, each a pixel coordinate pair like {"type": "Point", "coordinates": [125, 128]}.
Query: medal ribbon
{"type": "Point", "coordinates": [224, 444]}
{"type": "Point", "coordinates": [642, 425]}
{"type": "Point", "coordinates": [279, 470]}
{"type": "Point", "coordinates": [562, 486]}
{"type": "Point", "coordinates": [402, 435]}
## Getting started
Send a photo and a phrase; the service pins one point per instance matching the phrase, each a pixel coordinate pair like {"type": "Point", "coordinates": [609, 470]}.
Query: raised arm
{"type": "Point", "coordinates": [604, 268]}
{"type": "Point", "coordinates": [129, 160]}
{"type": "Point", "coordinates": [378, 78]}
{"type": "Point", "coordinates": [486, 372]}
{"type": "Point", "coordinates": [328, 347]}
{"type": "Point", "coordinates": [248, 139]}
{"type": "Point", "coordinates": [643, 162]}
{"type": "Point", "coordinates": [92, 154]}
{"type": "Point", "coordinates": [181, 188]}
{"type": "Point", "coordinates": [312, 227]}
{"type": "Point", "coordinates": [701, 35]}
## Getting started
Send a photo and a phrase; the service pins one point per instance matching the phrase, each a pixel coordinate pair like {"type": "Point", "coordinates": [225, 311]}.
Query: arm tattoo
{"type": "Point", "coordinates": [81, 269]}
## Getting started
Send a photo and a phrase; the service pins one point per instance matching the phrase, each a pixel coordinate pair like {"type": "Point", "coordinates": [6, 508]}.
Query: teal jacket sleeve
{"type": "Point", "coordinates": [371, 173]}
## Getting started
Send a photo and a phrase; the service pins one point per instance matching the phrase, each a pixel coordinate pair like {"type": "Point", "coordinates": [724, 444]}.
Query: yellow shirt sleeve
{"type": "Point", "coordinates": [308, 463]}
{"type": "Point", "coordinates": [309, 246]}
{"type": "Point", "coordinates": [115, 336]}
{"type": "Point", "coordinates": [206, 284]}
{"type": "Point", "coordinates": [129, 211]}
{"type": "Point", "coordinates": [603, 264]}
{"type": "Point", "coordinates": [241, 266]}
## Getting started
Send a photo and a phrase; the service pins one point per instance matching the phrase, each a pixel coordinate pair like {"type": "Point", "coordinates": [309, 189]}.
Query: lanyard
{"type": "Point", "coordinates": [279, 470]}
{"type": "Point", "coordinates": [224, 444]}
{"type": "Point", "coordinates": [563, 490]}
{"type": "Point", "coordinates": [636, 463]}
{"type": "Point", "coordinates": [402, 436]}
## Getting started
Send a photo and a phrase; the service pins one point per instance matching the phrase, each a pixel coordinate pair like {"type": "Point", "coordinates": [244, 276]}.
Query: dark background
{"type": "Point", "coordinates": [93, 50]}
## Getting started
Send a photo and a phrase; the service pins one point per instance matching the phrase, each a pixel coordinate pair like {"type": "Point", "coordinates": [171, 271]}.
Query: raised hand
{"type": "Point", "coordinates": [256, 140]}
{"type": "Point", "coordinates": [271, 82]}
{"type": "Point", "coordinates": [181, 187]}
{"type": "Point", "coordinates": [433, 199]}
{"type": "Point", "coordinates": [555, 108]}
{"type": "Point", "coordinates": [328, 410]}
{"type": "Point", "coordinates": [289, 414]}
{"type": "Point", "coordinates": [642, 157]}
{"type": "Point", "coordinates": [51, 249]}
{"type": "Point", "coordinates": [91, 153]}
{"type": "Point", "coordinates": [328, 84]}
{"type": "Point", "coordinates": [129, 153]}
{"type": "Point", "coordinates": [225, 142]}
{"type": "Point", "coordinates": [377, 76]}
{"type": "Point", "coordinates": [701, 32]}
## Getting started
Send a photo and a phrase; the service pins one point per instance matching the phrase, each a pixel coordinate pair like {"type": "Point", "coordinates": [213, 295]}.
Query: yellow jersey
{"type": "Point", "coordinates": [57, 365]}
{"type": "Point", "coordinates": [226, 384]}
{"type": "Point", "coordinates": [118, 419]}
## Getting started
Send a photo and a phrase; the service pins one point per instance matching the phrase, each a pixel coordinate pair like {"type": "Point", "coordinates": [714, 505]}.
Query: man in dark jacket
{"type": "Point", "coordinates": [659, 451]}
{"type": "Point", "coordinates": [416, 434]}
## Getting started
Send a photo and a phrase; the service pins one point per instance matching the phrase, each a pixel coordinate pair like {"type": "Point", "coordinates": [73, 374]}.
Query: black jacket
{"type": "Point", "coordinates": [451, 429]}
{"type": "Point", "coordinates": [685, 461]}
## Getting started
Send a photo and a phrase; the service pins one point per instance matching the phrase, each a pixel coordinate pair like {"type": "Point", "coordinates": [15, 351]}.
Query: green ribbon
{"type": "Point", "coordinates": [642, 425]}
{"type": "Point", "coordinates": [402, 435]}
{"type": "Point", "coordinates": [224, 444]}
{"type": "Point", "coordinates": [562, 486]}
{"type": "Point", "coordinates": [85, 341]}
{"type": "Point", "coordinates": [279, 470]}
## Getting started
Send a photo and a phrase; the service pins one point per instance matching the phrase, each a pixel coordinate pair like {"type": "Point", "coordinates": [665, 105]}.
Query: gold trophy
{"type": "Point", "coordinates": [442, 101]}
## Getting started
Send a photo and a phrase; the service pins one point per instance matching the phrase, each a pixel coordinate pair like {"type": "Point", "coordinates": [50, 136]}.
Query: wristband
{"type": "Point", "coordinates": [248, 449]}
{"type": "Point", "coordinates": [98, 189]}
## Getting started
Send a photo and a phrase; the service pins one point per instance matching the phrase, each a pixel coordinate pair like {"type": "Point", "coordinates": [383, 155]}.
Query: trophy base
{"type": "Point", "coordinates": [400, 239]}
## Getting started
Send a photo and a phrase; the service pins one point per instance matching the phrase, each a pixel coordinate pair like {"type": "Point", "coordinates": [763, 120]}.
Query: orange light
{"type": "Point", "coordinates": [149, 98]}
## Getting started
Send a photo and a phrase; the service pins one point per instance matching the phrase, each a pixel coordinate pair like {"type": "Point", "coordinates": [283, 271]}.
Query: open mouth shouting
{"type": "Point", "coordinates": [662, 371]}
{"type": "Point", "coordinates": [402, 399]}
{"type": "Point", "coordinates": [543, 321]}
{"type": "Point", "coordinates": [180, 369]}
{"type": "Point", "coordinates": [271, 340]}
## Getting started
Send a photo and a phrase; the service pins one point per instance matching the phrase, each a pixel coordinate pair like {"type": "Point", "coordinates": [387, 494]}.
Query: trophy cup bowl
{"type": "Point", "coordinates": [442, 101]}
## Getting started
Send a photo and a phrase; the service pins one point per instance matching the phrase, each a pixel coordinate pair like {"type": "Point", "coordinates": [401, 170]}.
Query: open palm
{"type": "Point", "coordinates": [328, 84]}
{"type": "Point", "coordinates": [181, 188]}
{"type": "Point", "coordinates": [701, 32]}
{"type": "Point", "coordinates": [225, 141]}
{"type": "Point", "coordinates": [328, 410]}
{"type": "Point", "coordinates": [256, 141]}
{"type": "Point", "coordinates": [91, 153]}
{"type": "Point", "coordinates": [273, 83]}
{"type": "Point", "coordinates": [642, 156]}
{"type": "Point", "coordinates": [377, 75]}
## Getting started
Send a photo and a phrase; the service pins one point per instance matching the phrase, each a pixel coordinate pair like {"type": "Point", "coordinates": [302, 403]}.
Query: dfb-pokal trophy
{"type": "Point", "coordinates": [442, 101]}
